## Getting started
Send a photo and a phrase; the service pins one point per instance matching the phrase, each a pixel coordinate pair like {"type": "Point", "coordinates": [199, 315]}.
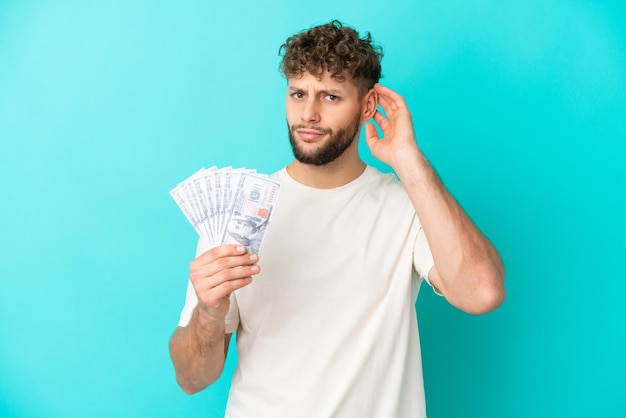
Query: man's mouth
{"type": "Point", "coordinates": [310, 135]}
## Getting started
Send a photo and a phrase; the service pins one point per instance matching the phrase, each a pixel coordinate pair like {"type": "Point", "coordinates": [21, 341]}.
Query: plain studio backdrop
{"type": "Point", "coordinates": [106, 105]}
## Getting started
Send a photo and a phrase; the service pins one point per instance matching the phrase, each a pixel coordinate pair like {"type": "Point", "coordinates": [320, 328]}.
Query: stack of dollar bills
{"type": "Point", "coordinates": [228, 206]}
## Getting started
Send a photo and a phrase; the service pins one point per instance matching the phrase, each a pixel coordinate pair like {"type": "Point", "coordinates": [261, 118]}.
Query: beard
{"type": "Point", "coordinates": [337, 143]}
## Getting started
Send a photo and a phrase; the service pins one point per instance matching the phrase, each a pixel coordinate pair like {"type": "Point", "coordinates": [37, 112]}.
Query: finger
{"type": "Point", "coordinates": [393, 98]}
{"type": "Point", "coordinates": [381, 120]}
{"type": "Point", "coordinates": [371, 134]}
{"type": "Point", "coordinates": [214, 299]}
{"type": "Point", "coordinates": [208, 286]}
{"type": "Point", "coordinates": [225, 289]}
{"type": "Point", "coordinates": [224, 268]}
{"type": "Point", "coordinates": [386, 105]}
{"type": "Point", "coordinates": [221, 251]}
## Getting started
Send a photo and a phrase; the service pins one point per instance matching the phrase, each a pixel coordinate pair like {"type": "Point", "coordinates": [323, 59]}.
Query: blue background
{"type": "Point", "coordinates": [106, 105]}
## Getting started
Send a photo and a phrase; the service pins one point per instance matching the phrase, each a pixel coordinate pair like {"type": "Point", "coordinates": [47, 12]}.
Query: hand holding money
{"type": "Point", "coordinates": [217, 273]}
{"type": "Point", "coordinates": [231, 210]}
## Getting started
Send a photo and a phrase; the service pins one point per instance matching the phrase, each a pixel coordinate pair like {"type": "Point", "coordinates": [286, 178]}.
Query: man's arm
{"type": "Point", "coordinates": [199, 350]}
{"type": "Point", "coordinates": [468, 270]}
{"type": "Point", "coordinates": [196, 354]}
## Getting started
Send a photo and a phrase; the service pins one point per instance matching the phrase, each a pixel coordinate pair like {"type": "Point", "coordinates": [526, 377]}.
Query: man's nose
{"type": "Point", "coordinates": [310, 112]}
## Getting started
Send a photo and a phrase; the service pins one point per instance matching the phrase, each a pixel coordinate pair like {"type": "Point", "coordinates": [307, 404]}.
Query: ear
{"type": "Point", "coordinates": [370, 103]}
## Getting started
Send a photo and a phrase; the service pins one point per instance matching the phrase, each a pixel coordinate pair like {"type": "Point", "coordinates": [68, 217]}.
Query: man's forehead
{"type": "Point", "coordinates": [325, 82]}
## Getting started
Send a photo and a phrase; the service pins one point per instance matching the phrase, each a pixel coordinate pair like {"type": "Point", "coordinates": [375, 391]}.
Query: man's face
{"type": "Point", "coordinates": [239, 227]}
{"type": "Point", "coordinates": [323, 117]}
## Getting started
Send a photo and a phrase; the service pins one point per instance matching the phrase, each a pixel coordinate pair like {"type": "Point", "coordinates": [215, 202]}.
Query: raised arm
{"type": "Point", "coordinates": [199, 350]}
{"type": "Point", "coordinates": [468, 270]}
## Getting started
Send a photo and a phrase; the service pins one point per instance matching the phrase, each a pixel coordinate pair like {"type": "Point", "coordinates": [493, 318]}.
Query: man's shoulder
{"type": "Point", "coordinates": [276, 175]}
{"type": "Point", "coordinates": [383, 180]}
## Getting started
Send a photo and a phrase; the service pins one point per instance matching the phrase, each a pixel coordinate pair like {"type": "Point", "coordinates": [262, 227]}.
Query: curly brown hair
{"type": "Point", "coordinates": [335, 48]}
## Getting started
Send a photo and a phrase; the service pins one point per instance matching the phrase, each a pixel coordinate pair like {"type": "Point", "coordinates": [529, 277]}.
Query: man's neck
{"type": "Point", "coordinates": [327, 176]}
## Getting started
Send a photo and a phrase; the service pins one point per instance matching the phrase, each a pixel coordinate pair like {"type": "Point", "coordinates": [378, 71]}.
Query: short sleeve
{"type": "Point", "coordinates": [423, 258]}
{"type": "Point", "coordinates": [232, 317]}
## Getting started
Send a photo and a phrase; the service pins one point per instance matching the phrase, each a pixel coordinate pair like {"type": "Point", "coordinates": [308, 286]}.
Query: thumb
{"type": "Point", "coordinates": [371, 134]}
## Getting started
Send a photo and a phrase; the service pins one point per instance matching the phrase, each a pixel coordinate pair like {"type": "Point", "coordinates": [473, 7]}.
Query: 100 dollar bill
{"type": "Point", "coordinates": [251, 210]}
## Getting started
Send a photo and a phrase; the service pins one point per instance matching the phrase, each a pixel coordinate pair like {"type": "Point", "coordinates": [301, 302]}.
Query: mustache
{"type": "Point", "coordinates": [312, 127]}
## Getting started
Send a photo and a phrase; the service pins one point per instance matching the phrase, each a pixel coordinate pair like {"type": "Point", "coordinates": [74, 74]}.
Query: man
{"type": "Point", "coordinates": [329, 329]}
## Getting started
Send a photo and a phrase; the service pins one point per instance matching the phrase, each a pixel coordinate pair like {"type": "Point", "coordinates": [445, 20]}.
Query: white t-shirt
{"type": "Point", "coordinates": [329, 328]}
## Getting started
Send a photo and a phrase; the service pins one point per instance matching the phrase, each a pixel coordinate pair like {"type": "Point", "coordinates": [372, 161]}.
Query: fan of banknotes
{"type": "Point", "coordinates": [228, 206]}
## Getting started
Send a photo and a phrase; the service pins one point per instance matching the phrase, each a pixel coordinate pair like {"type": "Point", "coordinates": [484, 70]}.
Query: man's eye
{"type": "Point", "coordinates": [332, 97]}
{"type": "Point", "coordinates": [297, 95]}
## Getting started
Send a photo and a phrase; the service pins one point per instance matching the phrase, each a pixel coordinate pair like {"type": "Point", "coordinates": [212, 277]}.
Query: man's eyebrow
{"type": "Point", "coordinates": [332, 91]}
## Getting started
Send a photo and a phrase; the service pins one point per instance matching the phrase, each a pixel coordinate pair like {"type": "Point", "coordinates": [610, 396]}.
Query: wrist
{"type": "Point", "coordinates": [207, 320]}
{"type": "Point", "coordinates": [410, 163]}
